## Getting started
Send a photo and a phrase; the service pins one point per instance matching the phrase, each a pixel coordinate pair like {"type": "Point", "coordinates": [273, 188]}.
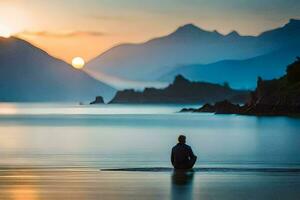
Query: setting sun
{"type": "Point", "coordinates": [78, 63]}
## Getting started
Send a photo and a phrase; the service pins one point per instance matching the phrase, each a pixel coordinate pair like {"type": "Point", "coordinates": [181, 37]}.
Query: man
{"type": "Point", "coordinates": [182, 156]}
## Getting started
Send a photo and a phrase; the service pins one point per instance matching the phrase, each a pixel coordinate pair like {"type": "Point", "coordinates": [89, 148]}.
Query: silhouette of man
{"type": "Point", "coordinates": [182, 156]}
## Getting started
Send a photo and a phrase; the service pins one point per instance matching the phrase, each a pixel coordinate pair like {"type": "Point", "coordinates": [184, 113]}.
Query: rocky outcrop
{"type": "Point", "coordinates": [279, 93]}
{"type": "Point", "coordinates": [273, 97]}
{"type": "Point", "coordinates": [226, 107]}
{"type": "Point", "coordinates": [98, 100]}
{"type": "Point", "coordinates": [222, 107]}
{"type": "Point", "coordinates": [182, 91]}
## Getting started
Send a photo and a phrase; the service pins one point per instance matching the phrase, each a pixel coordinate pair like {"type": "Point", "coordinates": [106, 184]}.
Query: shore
{"type": "Point", "coordinates": [32, 184]}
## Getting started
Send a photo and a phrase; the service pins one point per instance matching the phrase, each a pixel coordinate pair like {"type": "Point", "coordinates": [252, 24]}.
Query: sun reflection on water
{"type": "Point", "coordinates": [23, 192]}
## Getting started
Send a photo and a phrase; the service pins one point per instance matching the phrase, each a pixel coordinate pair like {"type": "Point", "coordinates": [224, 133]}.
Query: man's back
{"type": "Point", "coordinates": [182, 156]}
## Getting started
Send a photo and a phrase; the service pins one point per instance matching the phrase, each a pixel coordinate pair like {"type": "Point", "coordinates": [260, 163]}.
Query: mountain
{"type": "Point", "coordinates": [271, 97]}
{"type": "Point", "coordinates": [182, 91]}
{"type": "Point", "coordinates": [239, 73]}
{"type": "Point", "coordinates": [189, 45]}
{"type": "Point", "coordinates": [29, 74]}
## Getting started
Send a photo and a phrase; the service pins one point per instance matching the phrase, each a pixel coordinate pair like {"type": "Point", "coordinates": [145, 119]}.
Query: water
{"type": "Point", "coordinates": [55, 151]}
{"type": "Point", "coordinates": [120, 136]}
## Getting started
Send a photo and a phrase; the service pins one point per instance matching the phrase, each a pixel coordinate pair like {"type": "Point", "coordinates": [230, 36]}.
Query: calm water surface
{"type": "Point", "coordinates": [118, 136]}
{"type": "Point", "coordinates": [55, 151]}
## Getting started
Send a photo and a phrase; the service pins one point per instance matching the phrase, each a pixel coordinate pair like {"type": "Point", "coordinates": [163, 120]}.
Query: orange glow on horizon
{"type": "Point", "coordinates": [65, 48]}
{"type": "Point", "coordinates": [97, 29]}
{"type": "Point", "coordinates": [4, 32]}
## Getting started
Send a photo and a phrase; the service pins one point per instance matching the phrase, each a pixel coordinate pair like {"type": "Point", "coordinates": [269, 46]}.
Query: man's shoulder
{"type": "Point", "coordinates": [181, 145]}
{"type": "Point", "coordinates": [176, 146]}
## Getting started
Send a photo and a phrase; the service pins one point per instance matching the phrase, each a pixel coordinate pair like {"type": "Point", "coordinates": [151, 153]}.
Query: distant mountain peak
{"type": "Point", "coordinates": [293, 22]}
{"type": "Point", "coordinates": [233, 34]}
{"type": "Point", "coordinates": [189, 27]}
{"type": "Point", "coordinates": [179, 79]}
{"type": "Point", "coordinates": [189, 30]}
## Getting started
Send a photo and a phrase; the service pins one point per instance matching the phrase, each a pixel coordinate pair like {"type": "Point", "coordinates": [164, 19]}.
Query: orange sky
{"type": "Point", "coordinates": [86, 28]}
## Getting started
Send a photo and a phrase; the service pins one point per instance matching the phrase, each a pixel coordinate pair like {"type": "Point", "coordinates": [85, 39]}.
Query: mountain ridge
{"type": "Point", "coordinates": [268, 66]}
{"type": "Point", "coordinates": [188, 44]}
{"type": "Point", "coordinates": [28, 73]}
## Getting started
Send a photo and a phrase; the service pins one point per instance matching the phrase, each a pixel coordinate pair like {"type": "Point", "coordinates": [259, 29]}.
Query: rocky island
{"type": "Point", "coordinates": [182, 91]}
{"type": "Point", "coordinates": [271, 97]}
{"type": "Point", "coordinates": [98, 100]}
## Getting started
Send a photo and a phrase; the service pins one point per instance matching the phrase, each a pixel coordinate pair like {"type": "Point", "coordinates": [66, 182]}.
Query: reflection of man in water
{"type": "Point", "coordinates": [182, 156]}
{"type": "Point", "coordinates": [182, 185]}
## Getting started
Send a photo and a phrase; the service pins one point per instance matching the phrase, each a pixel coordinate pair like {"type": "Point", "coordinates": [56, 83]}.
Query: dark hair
{"type": "Point", "coordinates": [181, 139]}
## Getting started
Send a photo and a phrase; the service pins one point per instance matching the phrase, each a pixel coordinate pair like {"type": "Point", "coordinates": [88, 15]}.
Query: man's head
{"type": "Point", "coordinates": [181, 139]}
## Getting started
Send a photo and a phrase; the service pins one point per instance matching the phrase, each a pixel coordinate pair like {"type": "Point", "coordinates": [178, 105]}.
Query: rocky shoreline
{"type": "Point", "coordinates": [226, 107]}
{"type": "Point", "coordinates": [278, 97]}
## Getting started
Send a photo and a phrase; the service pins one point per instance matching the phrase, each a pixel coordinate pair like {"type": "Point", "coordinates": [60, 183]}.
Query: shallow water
{"type": "Point", "coordinates": [61, 185]}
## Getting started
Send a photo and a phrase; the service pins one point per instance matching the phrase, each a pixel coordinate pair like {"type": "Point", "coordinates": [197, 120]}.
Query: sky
{"type": "Point", "coordinates": [87, 28]}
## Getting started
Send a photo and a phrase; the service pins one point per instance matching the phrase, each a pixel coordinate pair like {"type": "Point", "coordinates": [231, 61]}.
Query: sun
{"type": "Point", "coordinates": [78, 62]}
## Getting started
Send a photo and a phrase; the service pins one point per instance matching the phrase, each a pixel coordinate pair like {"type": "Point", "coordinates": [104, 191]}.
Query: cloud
{"type": "Point", "coordinates": [111, 17]}
{"type": "Point", "coordinates": [62, 34]}
{"type": "Point", "coordinates": [105, 17]}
